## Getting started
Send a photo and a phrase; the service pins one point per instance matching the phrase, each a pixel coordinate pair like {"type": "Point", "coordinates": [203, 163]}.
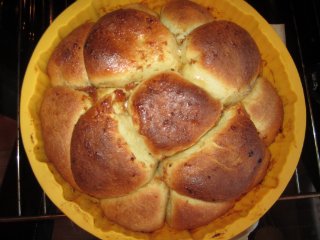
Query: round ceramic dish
{"type": "Point", "coordinates": [278, 67]}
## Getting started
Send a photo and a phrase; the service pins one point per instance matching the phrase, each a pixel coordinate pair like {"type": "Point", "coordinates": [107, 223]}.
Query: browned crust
{"type": "Point", "coordinates": [172, 113]}
{"type": "Point", "coordinates": [59, 112]}
{"type": "Point", "coordinates": [102, 163]}
{"type": "Point", "coordinates": [228, 52]}
{"type": "Point", "coordinates": [265, 108]}
{"type": "Point", "coordinates": [226, 168]}
{"type": "Point", "coordinates": [185, 14]}
{"type": "Point", "coordinates": [66, 64]}
{"type": "Point", "coordinates": [262, 169]}
{"type": "Point", "coordinates": [143, 210]}
{"type": "Point", "coordinates": [187, 213]}
{"type": "Point", "coordinates": [113, 44]}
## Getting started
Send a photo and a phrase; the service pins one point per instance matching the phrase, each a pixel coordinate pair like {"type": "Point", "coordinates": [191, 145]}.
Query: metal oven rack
{"type": "Point", "coordinates": [21, 198]}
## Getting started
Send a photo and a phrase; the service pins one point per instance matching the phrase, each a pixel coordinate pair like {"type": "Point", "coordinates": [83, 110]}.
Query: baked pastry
{"type": "Point", "coordinates": [267, 118]}
{"type": "Point", "coordinates": [208, 59]}
{"type": "Point", "coordinates": [66, 65]}
{"type": "Point", "coordinates": [119, 47]}
{"type": "Point", "coordinates": [181, 17]}
{"type": "Point", "coordinates": [162, 119]}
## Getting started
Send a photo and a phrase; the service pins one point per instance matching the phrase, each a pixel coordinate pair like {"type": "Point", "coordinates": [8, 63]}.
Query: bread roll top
{"type": "Point", "coordinates": [60, 110]}
{"type": "Point", "coordinates": [223, 165]}
{"type": "Point", "coordinates": [223, 58]}
{"type": "Point", "coordinates": [143, 210]}
{"type": "Point", "coordinates": [265, 109]}
{"type": "Point", "coordinates": [182, 16]}
{"type": "Point", "coordinates": [182, 208]}
{"type": "Point", "coordinates": [127, 45]}
{"type": "Point", "coordinates": [102, 163]}
{"type": "Point", "coordinates": [66, 65]}
{"type": "Point", "coordinates": [172, 113]}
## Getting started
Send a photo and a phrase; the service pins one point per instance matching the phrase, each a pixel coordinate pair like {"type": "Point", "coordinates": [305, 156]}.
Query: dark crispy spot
{"type": "Point", "coordinates": [91, 91]}
{"type": "Point", "coordinates": [216, 235]}
{"type": "Point", "coordinates": [120, 96]}
{"type": "Point", "coordinates": [250, 153]}
{"type": "Point", "coordinates": [192, 61]}
{"type": "Point", "coordinates": [189, 190]}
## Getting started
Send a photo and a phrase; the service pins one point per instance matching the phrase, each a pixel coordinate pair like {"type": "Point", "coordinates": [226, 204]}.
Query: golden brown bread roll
{"type": "Point", "coordinates": [211, 170]}
{"type": "Point", "coordinates": [265, 108]}
{"type": "Point", "coordinates": [66, 65]}
{"type": "Point", "coordinates": [127, 45]}
{"type": "Point", "coordinates": [182, 16]}
{"type": "Point", "coordinates": [153, 135]}
{"type": "Point", "coordinates": [181, 209]}
{"type": "Point", "coordinates": [221, 57]}
{"type": "Point", "coordinates": [143, 210]}
{"type": "Point", "coordinates": [102, 163]}
{"type": "Point", "coordinates": [171, 113]}
{"type": "Point", "coordinates": [60, 110]}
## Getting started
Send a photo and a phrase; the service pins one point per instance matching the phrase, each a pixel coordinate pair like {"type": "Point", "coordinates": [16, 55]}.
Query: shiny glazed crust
{"type": "Point", "coordinates": [132, 36]}
{"type": "Point", "coordinates": [232, 151]}
{"type": "Point", "coordinates": [160, 119]}
{"type": "Point", "coordinates": [102, 163]}
{"type": "Point", "coordinates": [172, 113]}
{"type": "Point", "coordinates": [222, 57]}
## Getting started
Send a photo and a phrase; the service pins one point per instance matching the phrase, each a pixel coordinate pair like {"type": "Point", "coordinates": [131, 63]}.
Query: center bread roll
{"type": "Point", "coordinates": [172, 113]}
{"type": "Point", "coordinates": [160, 116]}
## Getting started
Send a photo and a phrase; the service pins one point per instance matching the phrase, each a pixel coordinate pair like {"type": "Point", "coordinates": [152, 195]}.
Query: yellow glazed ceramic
{"type": "Point", "coordinates": [278, 68]}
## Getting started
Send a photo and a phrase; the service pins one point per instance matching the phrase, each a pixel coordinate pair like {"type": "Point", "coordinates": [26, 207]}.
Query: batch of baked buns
{"type": "Point", "coordinates": [163, 118]}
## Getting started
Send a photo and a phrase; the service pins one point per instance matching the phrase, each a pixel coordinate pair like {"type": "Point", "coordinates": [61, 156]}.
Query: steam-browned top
{"type": "Point", "coordinates": [59, 112]}
{"type": "Point", "coordinates": [101, 162]}
{"type": "Point", "coordinates": [227, 51]}
{"type": "Point", "coordinates": [226, 168]}
{"type": "Point", "coordinates": [185, 14]}
{"type": "Point", "coordinates": [66, 64]}
{"type": "Point", "coordinates": [172, 113]}
{"type": "Point", "coordinates": [124, 40]}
